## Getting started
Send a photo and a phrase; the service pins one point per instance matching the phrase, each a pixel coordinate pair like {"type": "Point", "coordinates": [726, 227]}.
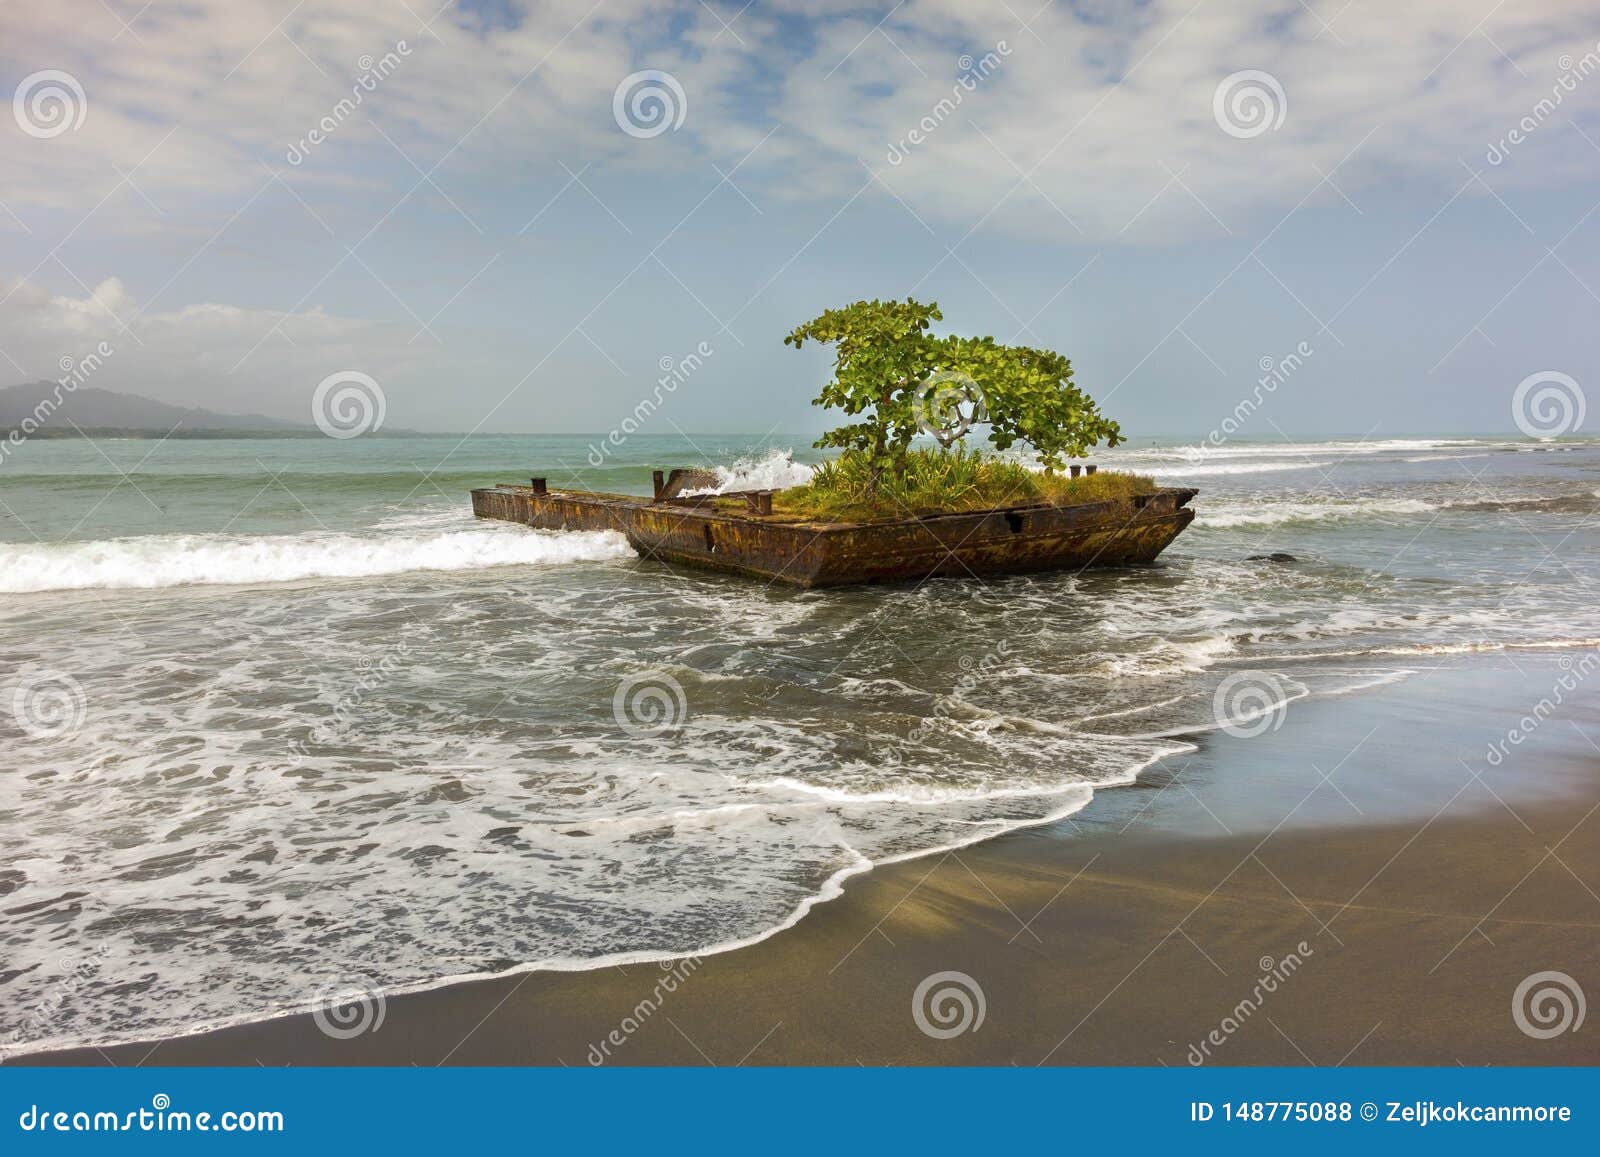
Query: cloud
{"type": "Point", "coordinates": [209, 354]}
{"type": "Point", "coordinates": [193, 99]}
{"type": "Point", "coordinates": [1094, 111]}
{"type": "Point", "coordinates": [889, 133]}
{"type": "Point", "coordinates": [1085, 122]}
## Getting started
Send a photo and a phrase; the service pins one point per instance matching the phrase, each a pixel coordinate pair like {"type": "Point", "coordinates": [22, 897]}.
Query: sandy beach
{"type": "Point", "coordinates": [1358, 886]}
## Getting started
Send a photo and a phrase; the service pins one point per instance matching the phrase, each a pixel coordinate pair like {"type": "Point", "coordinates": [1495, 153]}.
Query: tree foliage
{"type": "Point", "coordinates": [900, 380]}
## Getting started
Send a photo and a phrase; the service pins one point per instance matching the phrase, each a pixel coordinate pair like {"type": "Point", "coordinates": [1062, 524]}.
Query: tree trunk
{"type": "Point", "coordinates": [879, 443]}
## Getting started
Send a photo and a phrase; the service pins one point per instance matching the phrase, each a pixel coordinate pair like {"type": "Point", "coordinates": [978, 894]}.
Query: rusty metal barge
{"type": "Point", "coordinates": [739, 532]}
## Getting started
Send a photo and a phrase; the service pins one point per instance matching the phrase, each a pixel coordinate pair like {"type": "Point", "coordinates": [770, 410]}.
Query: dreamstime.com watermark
{"type": "Point", "coordinates": [650, 704]}
{"type": "Point", "coordinates": [648, 103]}
{"type": "Point", "coordinates": [973, 673]}
{"type": "Point", "coordinates": [75, 372]}
{"type": "Point", "coordinates": [1250, 703]}
{"type": "Point", "coordinates": [1548, 404]}
{"type": "Point", "coordinates": [47, 705]}
{"type": "Point", "coordinates": [372, 73]}
{"type": "Point", "coordinates": [73, 974]}
{"type": "Point", "coordinates": [674, 973]}
{"type": "Point", "coordinates": [674, 372]}
{"type": "Point", "coordinates": [1248, 103]}
{"type": "Point", "coordinates": [160, 1117]}
{"type": "Point", "coordinates": [972, 72]}
{"type": "Point", "coordinates": [947, 1004]}
{"type": "Point", "coordinates": [373, 676]}
{"type": "Point", "coordinates": [1547, 1004]}
{"type": "Point", "coordinates": [49, 103]}
{"type": "Point", "coordinates": [1274, 373]}
{"type": "Point", "coordinates": [1573, 673]}
{"type": "Point", "coordinates": [347, 404]}
{"type": "Point", "coordinates": [1572, 73]}
{"type": "Point", "coordinates": [1274, 974]}
{"type": "Point", "coordinates": [349, 1007]}
{"type": "Point", "coordinates": [948, 404]}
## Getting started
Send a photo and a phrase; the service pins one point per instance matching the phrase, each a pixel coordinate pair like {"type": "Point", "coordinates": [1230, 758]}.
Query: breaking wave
{"type": "Point", "coordinates": [1274, 513]}
{"type": "Point", "coordinates": [776, 471]}
{"type": "Point", "coordinates": [169, 560]}
{"type": "Point", "coordinates": [1186, 470]}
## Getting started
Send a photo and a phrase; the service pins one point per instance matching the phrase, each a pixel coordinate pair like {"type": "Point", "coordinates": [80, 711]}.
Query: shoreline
{"type": "Point", "coordinates": [1060, 923]}
{"type": "Point", "coordinates": [830, 890]}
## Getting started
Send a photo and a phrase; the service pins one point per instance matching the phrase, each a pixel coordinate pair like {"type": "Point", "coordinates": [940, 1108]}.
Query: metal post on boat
{"type": "Point", "coordinates": [1076, 470]}
{"type": "Point", "coordinates": [1090, 469]}
{"type": "Point", "coordinates": [658, 481]}
{"type": "Point", "coordinates": [539, 486]}
{"type": "Point", "coordinates": [763, 502]}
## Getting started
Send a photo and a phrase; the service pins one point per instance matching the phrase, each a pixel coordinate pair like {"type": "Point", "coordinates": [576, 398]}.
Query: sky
{"type": "Point", "coordinates": [510, 216]}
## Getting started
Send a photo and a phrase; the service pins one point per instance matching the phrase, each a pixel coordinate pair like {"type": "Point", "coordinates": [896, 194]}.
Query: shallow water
{"type": "Point", "coordinates": [284, 719]}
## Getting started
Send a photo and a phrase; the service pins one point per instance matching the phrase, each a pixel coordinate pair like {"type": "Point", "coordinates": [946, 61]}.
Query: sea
{"type": "Point", "coordinates": [280, 720]}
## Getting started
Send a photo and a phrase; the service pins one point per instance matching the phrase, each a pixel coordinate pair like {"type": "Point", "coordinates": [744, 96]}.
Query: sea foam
{"type": "Point", "coordinates": [776, 471]}
{"type": "Point", "coordinates": [168, 560]}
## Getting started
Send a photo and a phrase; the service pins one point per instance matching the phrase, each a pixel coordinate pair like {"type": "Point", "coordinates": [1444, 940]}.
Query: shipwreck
{"type": "Point", "coordinates": [686, 522]}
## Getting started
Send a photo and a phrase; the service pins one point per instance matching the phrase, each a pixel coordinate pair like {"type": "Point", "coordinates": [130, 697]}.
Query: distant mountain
{"type": "Point", "coordinates": [93, 409]}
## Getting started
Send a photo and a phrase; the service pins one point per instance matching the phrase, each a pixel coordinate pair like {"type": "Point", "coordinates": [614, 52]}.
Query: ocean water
{"type": "Point", "coordinates": [279, 719]}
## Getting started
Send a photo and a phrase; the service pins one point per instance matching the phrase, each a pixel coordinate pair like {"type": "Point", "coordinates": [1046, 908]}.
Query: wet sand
{"type": "Point", "coordinates": [1365, 856]}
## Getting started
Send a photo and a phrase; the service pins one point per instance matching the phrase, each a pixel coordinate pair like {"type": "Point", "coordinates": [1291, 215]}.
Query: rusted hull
{"type": "Point", "coordinates": [1007, 541]}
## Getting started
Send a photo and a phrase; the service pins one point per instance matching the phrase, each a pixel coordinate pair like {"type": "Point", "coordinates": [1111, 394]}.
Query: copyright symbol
{"type": "Point", "coordinates": [1369, 1111]}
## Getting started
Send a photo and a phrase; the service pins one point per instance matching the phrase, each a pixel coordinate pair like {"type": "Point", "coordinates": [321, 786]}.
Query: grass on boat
{"type": "Point", "coordinates": [940, 481]}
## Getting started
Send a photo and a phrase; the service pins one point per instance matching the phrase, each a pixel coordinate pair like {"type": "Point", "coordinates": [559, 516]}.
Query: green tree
{"type": "Point", "coordinates": [902, 380]}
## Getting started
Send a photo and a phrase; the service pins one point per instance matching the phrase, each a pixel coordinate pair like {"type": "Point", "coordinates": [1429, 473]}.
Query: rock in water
{"type": "Point", "coordinates": [1275, 556]}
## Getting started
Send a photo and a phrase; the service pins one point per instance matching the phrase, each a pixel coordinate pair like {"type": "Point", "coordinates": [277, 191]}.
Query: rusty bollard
{"type": "Point", "coordinates": [763, 502]}
{"type": "Point", "coordinates": [658, 481]}
{"type": "Point", "coordinates": [1090, 469]}
{"type": "Point", "coordinates": [1076, 470]}
{"type": "Point", "coordinates": [539, 486]}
